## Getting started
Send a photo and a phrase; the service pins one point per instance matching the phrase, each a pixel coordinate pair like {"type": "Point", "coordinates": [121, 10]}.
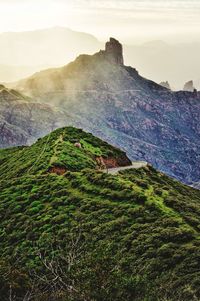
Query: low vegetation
{"type": "Point", "coordinates": [88, 235]}
{"type": "Point", "coordinates": [58, 149]}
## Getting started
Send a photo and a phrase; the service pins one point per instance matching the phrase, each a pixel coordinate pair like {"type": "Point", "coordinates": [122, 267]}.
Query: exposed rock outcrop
{"type": "Point", "coordinates": [59, 170]}
{"type": "Point", "coordinates": [114, 52]}
{"type": "Point", "coordinates": [189, 86]}
{"type": "Point", "coordinates": [165, 85]}
{"type": "Point", "coordinates": [111, 162]}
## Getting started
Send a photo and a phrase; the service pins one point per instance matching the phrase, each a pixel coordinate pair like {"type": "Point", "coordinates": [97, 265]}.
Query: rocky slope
{"type": "Point", "coordinates": [87, 235]}
{"type": "Point", "coordinates": [113, 101]}
{"type": "Point", "coordinates": [23, 120]}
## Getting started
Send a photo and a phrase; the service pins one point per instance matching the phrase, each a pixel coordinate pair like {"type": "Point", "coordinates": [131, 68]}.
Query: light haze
{"type": "Point", "coordinates": [161, 38]}
{"type": "Point", "coordinates": [130, 20]}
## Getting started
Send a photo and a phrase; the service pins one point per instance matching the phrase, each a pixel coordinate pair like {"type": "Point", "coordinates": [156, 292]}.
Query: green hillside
{"type": "Point", "coordinates": [88, 235]}
{"type": "Point", "coordinates": [58, 150]}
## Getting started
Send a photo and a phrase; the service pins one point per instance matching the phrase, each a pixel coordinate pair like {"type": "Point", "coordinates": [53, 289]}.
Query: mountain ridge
{"type": "Point", "coordinates": [114, 101]}
{"type": "Point", "coordinates": [43, 53]}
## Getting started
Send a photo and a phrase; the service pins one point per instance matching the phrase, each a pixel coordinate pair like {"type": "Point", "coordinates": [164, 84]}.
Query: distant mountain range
{"type": "Point", "coordinates": [52, 46]}
{"type": "Point", "coordinates": [114, 102]}
{"type": "Point", "coordinates": [45, 48]}
{"type": "Point", "coordinates": [57, 46]}
{"type": "Point", "coordinates": [160, 61]}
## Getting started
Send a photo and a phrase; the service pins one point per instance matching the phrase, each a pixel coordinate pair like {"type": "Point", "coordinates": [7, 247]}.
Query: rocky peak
{"type": "Point", "coordinates": [189, 86]}
{"type": "Point", "coordinates": [114, 52]}
{"type": "Point", "coordinates": [165, 85]}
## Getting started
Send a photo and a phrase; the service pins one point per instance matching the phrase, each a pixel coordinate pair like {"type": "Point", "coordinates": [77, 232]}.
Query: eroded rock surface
{"type": "Point", "coordinates": [189, 86]}
{"type": "Point", "coordinates": [114, 52]}
{"type": "Point", "coordinates": [23, 120]}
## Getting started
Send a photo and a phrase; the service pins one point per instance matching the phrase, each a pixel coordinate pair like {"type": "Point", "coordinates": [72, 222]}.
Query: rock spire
{"type": "Point", "coordinates": [114, 52]}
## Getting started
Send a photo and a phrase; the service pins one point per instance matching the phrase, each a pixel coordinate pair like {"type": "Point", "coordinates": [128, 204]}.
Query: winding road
{"type": "Point", "coordinates": [135, 165]}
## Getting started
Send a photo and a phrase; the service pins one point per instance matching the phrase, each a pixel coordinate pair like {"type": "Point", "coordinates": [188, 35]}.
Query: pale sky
{"type": "Point", "coordinates": [129, 20]}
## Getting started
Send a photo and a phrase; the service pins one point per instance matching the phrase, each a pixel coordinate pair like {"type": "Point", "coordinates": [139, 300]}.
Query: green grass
{"type": "Point", "coordinates": [57, 149]}
{"type": "Point", "coordinates": [134, 236]}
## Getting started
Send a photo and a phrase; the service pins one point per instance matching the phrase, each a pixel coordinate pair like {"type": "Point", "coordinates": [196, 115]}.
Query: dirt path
{"type": "Point", "coordinates": [135, 164]}
{"type": "Point", "coordinates": [55, 152]}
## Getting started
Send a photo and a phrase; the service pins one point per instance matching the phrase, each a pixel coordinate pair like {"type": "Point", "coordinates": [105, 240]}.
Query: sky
{"type": "Point", "coordinates": [132, 21]}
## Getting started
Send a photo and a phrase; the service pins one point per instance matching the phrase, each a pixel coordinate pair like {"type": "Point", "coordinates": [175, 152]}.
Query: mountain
{"type": "Point", "coordinates": [23, 120]}
{"type": "Point", "coordinates": [160, 61]}
{"type": "Point", "coordinates": [57, 46]}
{"type": "Point", "coordinates": [65, 149]}
{"type": "Point", "coordinates": [77, 233]}
{"type": "Point", "coordinates": [114, 102]}
{"type": "Point", "coordinates": [45, 47]}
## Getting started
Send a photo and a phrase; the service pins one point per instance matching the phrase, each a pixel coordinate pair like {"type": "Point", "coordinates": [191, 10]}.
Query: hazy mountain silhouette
{"type": "Point", "coordinates": [176, 63]}
{"type": "Point", "coordinates": [27, 52]}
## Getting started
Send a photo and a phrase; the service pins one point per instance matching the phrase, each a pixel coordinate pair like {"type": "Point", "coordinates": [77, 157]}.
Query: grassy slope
{"type": "Point", "coordinates": [138, 232]}
{"type": "Point", "coordinates": [57, 149]}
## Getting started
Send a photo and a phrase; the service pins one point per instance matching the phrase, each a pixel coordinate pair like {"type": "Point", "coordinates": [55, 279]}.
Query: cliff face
{"type": "Point", "coordinates": [114, 52]}
{"type": "Point", "coordinates": [114, 102]}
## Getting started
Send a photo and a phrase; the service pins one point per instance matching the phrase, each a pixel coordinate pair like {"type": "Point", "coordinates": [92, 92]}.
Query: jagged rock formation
{"type": "Point", "coordinates": [114, 52]}
{"type": "Point", "coordinates": [165, 85]}
{"type": "Point", "coordinates": [189, 86]}
{"type": "Point", "coordinates": [114, 102]}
